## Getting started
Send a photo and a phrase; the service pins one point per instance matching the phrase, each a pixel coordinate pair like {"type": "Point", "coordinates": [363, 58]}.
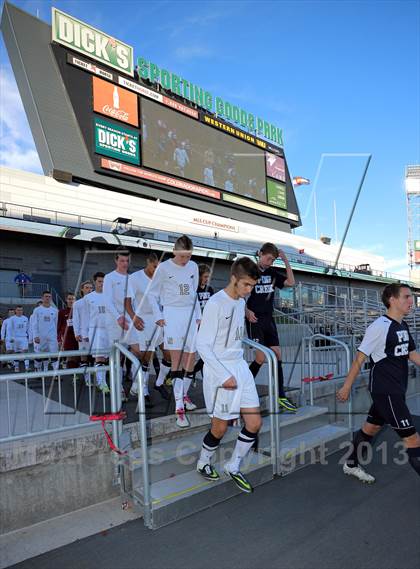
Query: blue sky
{"type": "Point", "coordinates": [338, 77]}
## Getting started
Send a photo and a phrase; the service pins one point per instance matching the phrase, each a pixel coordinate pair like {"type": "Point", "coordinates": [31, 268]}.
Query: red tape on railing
{"type": "Point", "coordinates": [119, 416]}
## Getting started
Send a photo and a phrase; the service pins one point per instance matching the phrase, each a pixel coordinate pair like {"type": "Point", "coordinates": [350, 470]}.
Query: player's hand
{"type": "Point", "coordinates": [282, 255]}
{"type": "Point", "coordinates": [344, 393]}
{"type": "Point", "coordinates": [138, 323]}
{"type": "Point", "coordinates": [230, 383]}
{"type": "Point", "coordinates": [122, 322]}
{"type": "Point", "coordinates": [78, 338]}
{"type": "Point", "coordinates": [37, 340]}
{"type": "Point", "coordinates": [161, 323]}
{"type": "Point", "coordinates": [251, 316]}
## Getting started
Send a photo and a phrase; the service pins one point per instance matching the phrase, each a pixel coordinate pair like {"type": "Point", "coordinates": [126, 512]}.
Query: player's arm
{"type": "Point", "coordinates": [154, 294]}
{"type": "Point", "coordinates": [414, 357]}
{"type": "Point", "coordinates": [128, 305]}
{"type": "Point", "coordinates": [35, 326]}
{"type": "Point", "coordinates": [76, 322]}
{"type": "Point", "coordinates": [197, 307]}
{"type": "Point", "coordinates": [344, 393]}
{"type": "Point", "coordinates": [205, 343]}
{"type": "Point", "coordinates": [109, 304]}
{"type": "Point", "coordinates": [10, 330]}
{"type": "Point", "coordinates": [290, 280]}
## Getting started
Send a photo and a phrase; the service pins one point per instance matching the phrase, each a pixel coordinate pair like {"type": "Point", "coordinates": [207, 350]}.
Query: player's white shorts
{"type": "Point", "coordinates": [117, 334]}
{"type": "Point", "coordinates": [48, 345]}
{"type": "Point", "coordinates": [84, 345]}
{"type": "Point", "coordinates": [151, 336]}
{"type": "Point", "coordinates": [99, 342]}
{"type": "Point", "coordinates": [180, 330]}
{"type": "Point", "coordinates": [20, 344]}
{"type": "Point", "coordinates": [226, 403]}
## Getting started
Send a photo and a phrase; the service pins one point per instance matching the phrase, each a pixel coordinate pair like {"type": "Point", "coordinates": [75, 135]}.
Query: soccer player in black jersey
{"type": "Point", "coordinates": [389, 345]}
{"type": "Point", "coordinates": [259, 313]}
{"type": "Point", "coordinates": [204, 292]}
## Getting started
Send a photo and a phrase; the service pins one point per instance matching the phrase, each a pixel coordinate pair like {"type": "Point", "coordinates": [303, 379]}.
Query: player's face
{"type": "Point", "coordinates": [99, 284]}
{"type": "Point", "coordinates": [46, 299]}
{"type": "Point", "coordinates": [266, 260]}
{"type": "Point", "coordinates": [205, 277]}
{"type": "Point", "coordinates": [87, 288]}
{"type": "Point", "coordinates": [182, 257]}
{"type": "Point", "coordinates": [244, 286]}
{"type": "Point", "coordinates": [151, 267]}
{"type": "Point", "coordinates": [122, 264]}
{"type": "Point", "coordinates": [19, 311]}
{"type": "Point", "coordinates": [404, 302]}
{"type": "Point", "coordinates": [10, 312]}
{"type": "Point", "coordinates": [70, 300]}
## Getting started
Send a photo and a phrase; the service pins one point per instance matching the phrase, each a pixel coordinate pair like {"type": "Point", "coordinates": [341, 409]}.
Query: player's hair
{"type": "Point", "coordinates": [10, 309]}
{"type": "Point", "coordinates": [18, 306]}
{"type": "Point", "coordinates": [392, 291]}
{"type": "Point", "coordinates": [203, 269]}
{"type": "Point", "coordinates": [245, 267]}
{"type": "Point", "coordinates": [269, 248]}
{"type": "Point", "coordinates": [183, 243]}
{"type": "Point", "coordinates": [122, 252]}
{"type": "Point", "coordinates": [98, 275]}
{"type": "Point", "coordinates": [46, 292]}
{"type": "Point", "coordinates": [70, 293]}
{"type": "Point", "coordinates": [152, 257]}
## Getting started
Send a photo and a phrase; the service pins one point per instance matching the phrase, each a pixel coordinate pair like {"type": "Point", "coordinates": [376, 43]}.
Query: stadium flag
{"type": "Point", "coordinates": [299, 181]}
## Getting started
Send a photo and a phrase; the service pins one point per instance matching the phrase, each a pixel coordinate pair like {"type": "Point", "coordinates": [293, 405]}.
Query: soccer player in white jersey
{"type": "Point", "coordinates": [173, 296]}
{"type": "Point", "coordinates": [122, 323]}
{"type": "Point", "coordinates": [3, 333]}
{"type": "Point", "coordinates": [17, 335]}
{"type": "Point", "coordinates": [152, 334]}
{"type": "Point", "coordinates": [37, 363]}
{"type": "Point", "coordinates": [228, 384]}
{"type": "Point", "coordinates": [96, 330]}
{"type": "Point", "coordinates": [81, 325]}
{"type": "Point", "coordinates": [44, 328]}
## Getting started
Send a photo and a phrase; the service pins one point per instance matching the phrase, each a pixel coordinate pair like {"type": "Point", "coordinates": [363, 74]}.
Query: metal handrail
{"type": "Point", "coordinates": [273, 395]}
{"type": "Point", "coordinates": [347, 351]}
{"type": "Point", "coordinates": [117, 349]}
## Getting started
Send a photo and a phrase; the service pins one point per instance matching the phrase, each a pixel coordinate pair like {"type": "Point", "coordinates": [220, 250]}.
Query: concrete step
{"type": "Point", "coordinates": [177, 455]}
{"type": "Point", "coordinates": [181, 496]}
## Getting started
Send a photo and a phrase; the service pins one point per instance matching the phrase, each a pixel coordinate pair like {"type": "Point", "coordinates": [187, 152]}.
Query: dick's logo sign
{"type": "Point", "coordinates": [115, 141]}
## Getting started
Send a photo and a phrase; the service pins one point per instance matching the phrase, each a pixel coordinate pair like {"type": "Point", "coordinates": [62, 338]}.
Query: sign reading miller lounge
{"type": "Point", "coordinates": [89, 41]}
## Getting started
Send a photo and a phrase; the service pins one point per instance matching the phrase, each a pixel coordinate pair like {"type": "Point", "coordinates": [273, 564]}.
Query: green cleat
{"type": "Point", "coordinates": [286, 406]}
{"type": "Point", "coordinates": [208, 472]}
{"type": "Point", "coordinates": [240, 481]}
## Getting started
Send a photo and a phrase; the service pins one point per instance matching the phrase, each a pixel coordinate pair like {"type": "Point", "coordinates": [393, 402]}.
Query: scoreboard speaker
{"type": "Point", "coordinates": [62, 176]}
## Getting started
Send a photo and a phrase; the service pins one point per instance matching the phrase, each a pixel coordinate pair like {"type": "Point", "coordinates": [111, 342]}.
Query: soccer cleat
{"type": "Point", "coordinates": [133, 393]}
{"type": "Point", "coordinates": [240, 481]}
{"type": "Point", "coordinates": [286, 405]}
{"type": "Point", "coordinates": [208, 472]}
{"type": "Point", "coordinates": [359, 473]}
{"type": "Point", "coordinates": [168, 380]}
{"type": "Point", "coordinates": [181, 419]}
{"type": "Point", "coordinates": [103, 388]}
{"type": "Point", "coordinates": [162, 390]}
{"type": "Point", "coordinates": [188, 404]}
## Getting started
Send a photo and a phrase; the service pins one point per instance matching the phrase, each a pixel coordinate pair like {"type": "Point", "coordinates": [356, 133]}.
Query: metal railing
{"type": "Point", "coordinates": [25, 414]}
{"type": "Point", "coordinates": [331, 349]}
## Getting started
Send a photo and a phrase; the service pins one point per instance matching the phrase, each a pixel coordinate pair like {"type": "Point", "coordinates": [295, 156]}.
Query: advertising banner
{"type": "Point", "coordinates": [115, 141]}
{"type": "Point", "coordinates": [115, 102]}
{"type": "Point", "coordinates": [276, 194]}
{"type": "Point", "coordinates": [275, 166]}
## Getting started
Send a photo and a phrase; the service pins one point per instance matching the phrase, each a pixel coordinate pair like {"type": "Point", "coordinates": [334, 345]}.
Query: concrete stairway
{"type": "Point", "coordinates": [177, 490]}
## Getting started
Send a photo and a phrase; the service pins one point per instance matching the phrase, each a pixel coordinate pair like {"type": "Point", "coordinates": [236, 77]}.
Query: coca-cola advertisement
{"type": "Point", "coordinates": [115, 102]}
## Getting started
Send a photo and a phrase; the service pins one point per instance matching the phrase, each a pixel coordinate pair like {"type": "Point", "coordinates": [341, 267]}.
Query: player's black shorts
{"type": "Point", "coordinates": [264, 331]}
{"type": "Point", "coordinates": [391, 410]}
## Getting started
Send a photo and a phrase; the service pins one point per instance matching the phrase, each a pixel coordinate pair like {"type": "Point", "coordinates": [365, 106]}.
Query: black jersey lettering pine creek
{"type": "Point", "coordinates": [261, 299]}
{"type": "Point", "coordinates": [388, 344]}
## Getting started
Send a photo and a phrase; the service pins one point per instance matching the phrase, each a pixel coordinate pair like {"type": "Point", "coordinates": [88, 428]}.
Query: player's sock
{"type": "Point", "coordinates": [26, 365]}
{"type": "Point", "coordinates": [198, 367]}
{"type": "Point", "coordinates": [165, 368]}
{"type": "Point", "coordinates": [45, 365]}
{"type": "Point", "coordinates": [16, 364]}
{"type": "Point", "coordinates": [145, 370]}
{"type": "Point", "coordinates": [414, 458]}
{"type": "Point", "coordinates": [55, 364]}
{"type": "Point", "coordinates": [255, 368]}
{"type": "Point", "coordinates": [100, 374]}
{"type": "Point", "coordinates": [188, 377]}
{"type": "Point", "coordinates": [156, 364]}
{"type": "Point", "coordinates": [243, 445]}
{"type": "Point", "coordinates": [178, 386]}
{"type": "Point", "coordinates": [359, 438]}
{"type": "Point", "coordinates": [280, 378]}
{"type": "Point", "coordinates": [37, 365]}
{"type": "Point", "coordinates": [210, 445]}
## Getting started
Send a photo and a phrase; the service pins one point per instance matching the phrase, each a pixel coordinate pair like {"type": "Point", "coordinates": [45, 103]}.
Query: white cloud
{"type": "Point", "coordinates": [17, 149]}
{"type": "Point", "coordinates": [193, 52]}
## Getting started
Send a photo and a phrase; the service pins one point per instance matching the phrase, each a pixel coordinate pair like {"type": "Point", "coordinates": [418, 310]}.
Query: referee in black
{"type": "Point", "coordinates": [389, 345]}
{"type": "Point", "coordinates": [259, 313]}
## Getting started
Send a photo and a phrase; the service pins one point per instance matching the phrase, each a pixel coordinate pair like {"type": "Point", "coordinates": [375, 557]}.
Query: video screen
{"type": "Point", "coordinates": [178, 145]}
